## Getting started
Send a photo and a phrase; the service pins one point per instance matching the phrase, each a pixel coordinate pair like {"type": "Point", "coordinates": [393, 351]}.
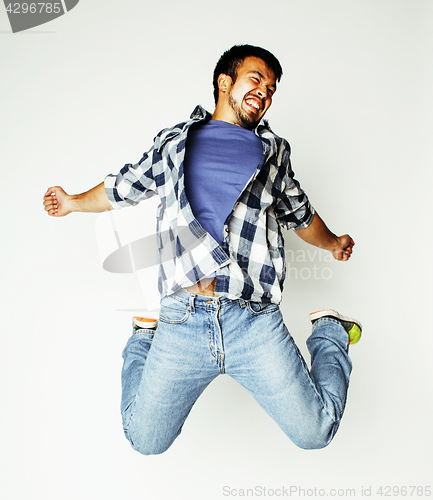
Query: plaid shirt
{"type": "Point", "coordinates": [250, 261]}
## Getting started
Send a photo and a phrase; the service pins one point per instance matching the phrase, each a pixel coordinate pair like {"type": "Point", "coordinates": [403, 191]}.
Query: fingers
{"type": "Point", "coordinates": [346, 248]}
{"type": "Point", "coordinates": [346, 255]}
{"type": "Point", "coordinates": [50, 202]}
{"type": "Point", "coordinates": [52, 208]}
{"type": "Point", "coordinates": [347, 252]}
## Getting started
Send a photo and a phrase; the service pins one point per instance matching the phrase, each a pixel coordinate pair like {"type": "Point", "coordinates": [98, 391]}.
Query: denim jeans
{"type": "Point", "coordinates": [199, 338]}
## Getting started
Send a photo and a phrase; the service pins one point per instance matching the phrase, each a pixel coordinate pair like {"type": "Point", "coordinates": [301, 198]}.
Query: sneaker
{"type": "Point", "coordinates": [146, 323]}
{"type": "Point", "coordinates": [352, 326]}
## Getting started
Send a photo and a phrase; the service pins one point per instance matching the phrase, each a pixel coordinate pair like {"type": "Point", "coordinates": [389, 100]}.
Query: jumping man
{"type": "Point", "coordinates": [225, 182]}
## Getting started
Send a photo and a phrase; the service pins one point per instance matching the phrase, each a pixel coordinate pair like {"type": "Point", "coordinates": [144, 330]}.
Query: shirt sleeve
{"type": "Point", "coordinates": [132, 184]}
{"type": "Point", "coordinates": [293, 210]}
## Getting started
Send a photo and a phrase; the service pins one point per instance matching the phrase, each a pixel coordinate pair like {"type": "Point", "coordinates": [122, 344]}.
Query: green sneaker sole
{"type": "Point", "coordinates": [352, 326]}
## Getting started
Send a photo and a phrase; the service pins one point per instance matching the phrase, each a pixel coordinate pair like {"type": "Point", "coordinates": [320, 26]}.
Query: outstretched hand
{"type": "Point", "coordinates": [343, 249]}
{"type": "Point", "coordinates": [57, 202]}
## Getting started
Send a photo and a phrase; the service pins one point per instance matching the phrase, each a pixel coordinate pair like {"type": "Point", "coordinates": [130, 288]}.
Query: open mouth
{"type": "Point", "coordinates": [254, 104]}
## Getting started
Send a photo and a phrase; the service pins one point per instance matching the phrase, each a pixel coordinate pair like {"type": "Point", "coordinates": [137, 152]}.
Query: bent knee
{"type": "Point", "coordinates": [313, 444]}
{"type": "Point", "coordinates": [149, 448]}
{"type": "Point", "coordinates": [315, 440]}
{"type": "Point", "coordinates": [147, 444]}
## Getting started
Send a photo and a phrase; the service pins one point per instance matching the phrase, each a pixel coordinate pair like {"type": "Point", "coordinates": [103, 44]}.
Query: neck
{"type": "Point", "coordinates": [223, 114]}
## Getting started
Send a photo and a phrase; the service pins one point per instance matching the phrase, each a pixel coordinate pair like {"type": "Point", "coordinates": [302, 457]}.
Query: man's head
{"type": "Point", "coordinates": [244, 81]}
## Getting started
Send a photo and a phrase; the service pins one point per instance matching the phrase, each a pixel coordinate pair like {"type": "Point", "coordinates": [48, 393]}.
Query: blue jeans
{"type": "Point", "coordinates": [199, 338]}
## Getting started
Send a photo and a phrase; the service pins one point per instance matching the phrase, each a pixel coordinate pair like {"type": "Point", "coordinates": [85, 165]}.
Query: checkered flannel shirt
{"type": "Point", "coordinates": [250, 261]}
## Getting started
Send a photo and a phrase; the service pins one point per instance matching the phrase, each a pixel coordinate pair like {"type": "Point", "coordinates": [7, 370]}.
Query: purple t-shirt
{"type": "Point", "coordinates": [220, 159]}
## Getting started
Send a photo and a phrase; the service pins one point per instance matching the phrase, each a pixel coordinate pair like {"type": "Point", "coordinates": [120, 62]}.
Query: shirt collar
{"type": "Point", "coordinates": [200, 113]}
{"type": "Point", "coordinates": [263, 130]}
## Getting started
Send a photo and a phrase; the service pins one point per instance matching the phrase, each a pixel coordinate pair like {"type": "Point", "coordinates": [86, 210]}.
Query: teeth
{"type": "Point", "coordinates": [253, 103]}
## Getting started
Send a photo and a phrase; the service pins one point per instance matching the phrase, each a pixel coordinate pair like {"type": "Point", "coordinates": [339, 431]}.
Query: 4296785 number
{"type": "Point", "coordinates": [33, 8]}
{"type": "Point", "coordinates": [403, 491]}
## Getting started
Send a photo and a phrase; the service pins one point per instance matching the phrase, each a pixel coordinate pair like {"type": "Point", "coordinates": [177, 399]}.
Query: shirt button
{"type": "Point", "coordinates": [227, 229]}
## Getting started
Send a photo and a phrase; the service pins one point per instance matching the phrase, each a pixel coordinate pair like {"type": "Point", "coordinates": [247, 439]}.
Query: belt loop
{"type": "Point", "coordinates": [191, 303]}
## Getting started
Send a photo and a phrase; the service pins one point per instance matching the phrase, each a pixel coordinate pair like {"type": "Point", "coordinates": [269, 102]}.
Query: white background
{"type": "Point", "coordinates": [85, 94]}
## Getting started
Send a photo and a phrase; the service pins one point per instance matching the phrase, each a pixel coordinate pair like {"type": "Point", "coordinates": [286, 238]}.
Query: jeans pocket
{"type": "Point", "coordinates": [258, 308]}
{"type": "Point", "coordinates": [173, 311]}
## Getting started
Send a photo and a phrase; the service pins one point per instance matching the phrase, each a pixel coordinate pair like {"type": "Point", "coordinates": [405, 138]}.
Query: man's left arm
{"type": "Point", "coordinates": [318, 234]}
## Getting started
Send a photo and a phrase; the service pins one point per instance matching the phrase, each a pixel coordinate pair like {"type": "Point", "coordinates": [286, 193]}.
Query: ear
{"type": "Point", "coordinates": [224, 82]}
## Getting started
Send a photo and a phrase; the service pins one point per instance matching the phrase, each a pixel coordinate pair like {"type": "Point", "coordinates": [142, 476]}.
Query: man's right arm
{"type": "Point", "coordinates": [58, 203]}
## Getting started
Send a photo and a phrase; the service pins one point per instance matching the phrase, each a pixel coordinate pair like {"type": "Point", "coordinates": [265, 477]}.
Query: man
{"type": "Point", "coordinates": [225, 183]}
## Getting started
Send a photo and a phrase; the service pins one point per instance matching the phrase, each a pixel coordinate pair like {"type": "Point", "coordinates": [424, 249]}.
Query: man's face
{"type": "Point", "coordinates": [251, 95]}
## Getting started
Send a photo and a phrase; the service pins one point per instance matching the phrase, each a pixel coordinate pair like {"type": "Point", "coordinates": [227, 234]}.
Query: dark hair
{"type": "Point", "coordinates": [230, 61]}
